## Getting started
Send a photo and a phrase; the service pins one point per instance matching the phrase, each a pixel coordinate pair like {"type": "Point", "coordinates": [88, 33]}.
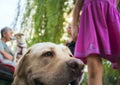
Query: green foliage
{"type": "Point", "coordinates": [110, 75]}
{"type": "Point", "coordinates": [44, 20]}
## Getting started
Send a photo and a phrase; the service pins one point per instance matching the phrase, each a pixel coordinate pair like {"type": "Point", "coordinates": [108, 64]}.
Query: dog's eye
{"type": "Point", "coordinates": [49, 53]}
{"type": "Point", "coordinates": [70, 55]}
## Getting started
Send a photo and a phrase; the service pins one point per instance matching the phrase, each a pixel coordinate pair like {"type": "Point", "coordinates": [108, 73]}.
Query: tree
{"type": "Point", "coordinates": [43, 20]}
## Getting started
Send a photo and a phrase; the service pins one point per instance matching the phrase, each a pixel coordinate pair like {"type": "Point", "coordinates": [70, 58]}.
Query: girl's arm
{"type": "Point", "coordinates": [76, 13]}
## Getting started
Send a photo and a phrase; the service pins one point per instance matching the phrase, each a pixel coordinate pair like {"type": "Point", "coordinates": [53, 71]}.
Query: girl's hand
{"type": "Point", "coordinates": [74, 31]}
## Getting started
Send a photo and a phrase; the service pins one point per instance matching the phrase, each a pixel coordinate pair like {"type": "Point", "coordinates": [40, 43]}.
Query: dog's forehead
{"type": "Point", "coordinates": [48, 46]}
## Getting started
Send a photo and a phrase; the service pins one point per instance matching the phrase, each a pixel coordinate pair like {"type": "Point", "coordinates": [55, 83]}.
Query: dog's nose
{"type": "Point", "coordinates": [75, 65]}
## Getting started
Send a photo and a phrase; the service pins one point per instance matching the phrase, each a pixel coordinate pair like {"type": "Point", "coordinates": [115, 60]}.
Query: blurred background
{"type": "Point", "coordinates": [43, 21]}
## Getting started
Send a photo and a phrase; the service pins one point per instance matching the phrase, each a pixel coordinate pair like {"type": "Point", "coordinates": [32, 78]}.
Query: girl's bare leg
{"type": "Point", "coordinates": [95, 70]}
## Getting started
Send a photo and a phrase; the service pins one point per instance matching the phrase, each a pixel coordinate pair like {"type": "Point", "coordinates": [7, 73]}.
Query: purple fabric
{"type": "Point", "coordinates": [99, 31]}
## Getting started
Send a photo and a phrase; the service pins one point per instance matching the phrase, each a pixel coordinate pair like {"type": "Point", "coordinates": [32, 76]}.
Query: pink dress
{"type": "Point", "coordinates": [99, 31]}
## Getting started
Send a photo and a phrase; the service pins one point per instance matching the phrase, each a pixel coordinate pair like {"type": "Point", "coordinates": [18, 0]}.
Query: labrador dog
{"type": "Point", "coordinates": [47, 64]}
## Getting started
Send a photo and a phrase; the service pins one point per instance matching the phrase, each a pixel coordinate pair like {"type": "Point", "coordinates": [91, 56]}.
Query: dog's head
{"type": "Point", "coordinates": [20, 37]}
{"type": "Point", "coordinates": [49, 64]}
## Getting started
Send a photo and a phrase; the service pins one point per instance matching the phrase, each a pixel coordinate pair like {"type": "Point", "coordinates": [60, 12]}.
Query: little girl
{"type": "Point", "coordinates": [98, 35]}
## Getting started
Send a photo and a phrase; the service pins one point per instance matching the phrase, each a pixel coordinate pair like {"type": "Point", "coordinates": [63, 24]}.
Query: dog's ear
{"type": "Point", "coordinates": [20, 69]}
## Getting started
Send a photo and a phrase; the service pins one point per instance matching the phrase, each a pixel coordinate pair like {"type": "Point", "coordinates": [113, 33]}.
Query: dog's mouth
{"type": "Point", "coordinates": [37, 82]}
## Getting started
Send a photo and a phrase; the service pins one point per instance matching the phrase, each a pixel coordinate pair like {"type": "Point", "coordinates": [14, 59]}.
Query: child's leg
{"type": "Point", "coordinates": [95, 70]}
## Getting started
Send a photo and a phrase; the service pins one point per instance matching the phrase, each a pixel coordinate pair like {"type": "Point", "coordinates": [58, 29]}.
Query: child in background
{"type": "Point", "coordinates": [70, 43]}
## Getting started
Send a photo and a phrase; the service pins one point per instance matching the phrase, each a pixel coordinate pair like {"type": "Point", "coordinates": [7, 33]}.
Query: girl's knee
{"type": "Point", "coordinates": [94, 59]}
{"type": "Point", "coordinates": [94, 63]}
